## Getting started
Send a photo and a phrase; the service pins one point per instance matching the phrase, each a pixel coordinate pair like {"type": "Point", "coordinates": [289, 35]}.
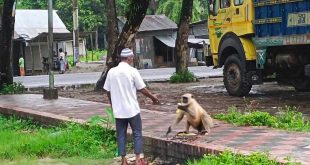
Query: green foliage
{"type": "Point", "coordinates": [288, 118]}
{"type": "Point", "coordinates": [91, 12]}
{"type": "Point", "coordinates": [23, 139]}
{"type": "Point", "coordinates": [172, 9]}
{"type": "Point", "coordinates": [106, 121]}
{"type": "Point", "coordinates": [230, 158]}
{"type": "Point", "coordinates": [182, 77]}
{"type": "Point", "coordinates": [15, 88]}
{"type": "Point", "coordinates": [91, 56]}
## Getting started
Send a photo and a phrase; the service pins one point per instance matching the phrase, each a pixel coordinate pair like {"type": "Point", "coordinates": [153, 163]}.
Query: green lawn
{"type": "Point", "coordinates": [23, 141]}
{"type": "Point", "coordinates": [63, 161]}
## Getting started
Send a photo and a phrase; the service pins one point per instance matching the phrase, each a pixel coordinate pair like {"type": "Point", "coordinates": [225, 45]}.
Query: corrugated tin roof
{"type": "Point", "coordinates": [167, 40]}
{"type": "Point", "coordinates": [154, 22]}
{"type": "Point", "coordinates": [170, 41]}
{"type": "Point", "coordinates": [157, 22]}
{"type": "Point", "coordinates": [33, 22]}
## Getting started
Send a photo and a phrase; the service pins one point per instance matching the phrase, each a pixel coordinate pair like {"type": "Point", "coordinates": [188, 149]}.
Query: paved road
{"type": "Point", "coordinates": [160, 74]}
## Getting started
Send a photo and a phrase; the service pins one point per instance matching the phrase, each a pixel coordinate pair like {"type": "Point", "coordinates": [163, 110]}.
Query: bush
{"type": "Point", "coordinates": [288, 118]}
{"type": "Point", "coordinates": [15, 88]}
{"type": "Point", "coordinates": [91, 56]}
{"type": "Point", "coordinates": [230, 158]}
{"type": "Point", "coordinates": [182, 77]}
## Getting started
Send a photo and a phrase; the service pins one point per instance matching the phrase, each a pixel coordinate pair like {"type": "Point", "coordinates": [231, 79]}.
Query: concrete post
{"type": "Point", "coordinates": [51, 92]}
{"type": "Point", "coordinates": [75, 31]}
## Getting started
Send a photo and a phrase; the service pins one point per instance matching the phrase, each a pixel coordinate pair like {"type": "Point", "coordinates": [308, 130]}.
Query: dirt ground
{"type": "Point", "coordinates": [211, 94]}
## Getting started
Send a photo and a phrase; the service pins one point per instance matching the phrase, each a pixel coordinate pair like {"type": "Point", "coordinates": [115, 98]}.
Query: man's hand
{"type": "Point", "coordinates": [148, 94]}
{"type": "Point", "coordinates": [155, 100]}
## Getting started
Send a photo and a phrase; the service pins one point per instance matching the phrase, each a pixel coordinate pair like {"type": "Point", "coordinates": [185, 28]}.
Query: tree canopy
{"type": "Point", "coordinates": [91, 12]}
{"type": "Point", "coordinates": [172, 9]}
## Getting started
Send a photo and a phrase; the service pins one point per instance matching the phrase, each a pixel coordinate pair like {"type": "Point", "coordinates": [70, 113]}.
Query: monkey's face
{"type": "Point", "coordinates": [186, 98]}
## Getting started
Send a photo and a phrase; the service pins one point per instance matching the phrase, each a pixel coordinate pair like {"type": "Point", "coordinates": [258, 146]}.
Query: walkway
{"type": "Point", "coordinates": [240, 139]}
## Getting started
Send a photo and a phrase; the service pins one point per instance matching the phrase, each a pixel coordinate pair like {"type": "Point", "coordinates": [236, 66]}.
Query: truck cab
{"type": "Point", "coordinates": [247, 38]}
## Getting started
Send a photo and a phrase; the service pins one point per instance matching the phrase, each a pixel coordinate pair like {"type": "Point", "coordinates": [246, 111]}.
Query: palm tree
{"type": "Point", "coordinates": [172, 9]}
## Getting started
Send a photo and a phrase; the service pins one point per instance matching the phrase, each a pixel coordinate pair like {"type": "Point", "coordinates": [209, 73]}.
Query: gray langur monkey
{"type": "Point", "coordinates": [196, 116]}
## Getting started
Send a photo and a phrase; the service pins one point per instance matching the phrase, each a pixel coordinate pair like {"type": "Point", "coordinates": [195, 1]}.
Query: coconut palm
{"type": "Point", "coordinates": [172, 9]}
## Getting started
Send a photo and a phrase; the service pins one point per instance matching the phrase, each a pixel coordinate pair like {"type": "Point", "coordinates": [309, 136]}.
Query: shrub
{"type": "Point", "coordinates": [288, 118]}
{"type": "Point", "coordinates": [230, 158]}
{"type": "Point", "coordinates": [182, 77]}
{"type": "Point", "coordinates": [15, 88]}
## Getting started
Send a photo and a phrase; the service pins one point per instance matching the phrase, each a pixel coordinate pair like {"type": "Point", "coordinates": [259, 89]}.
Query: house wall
{"type": "Point", "coordinates": [40, 50]}
{"type": "Point", "coordinates": [68, 47]}
{"type": "Point", "coordinates": [146, 48]}
{"type": "Point", "coordinates": [145, 52]}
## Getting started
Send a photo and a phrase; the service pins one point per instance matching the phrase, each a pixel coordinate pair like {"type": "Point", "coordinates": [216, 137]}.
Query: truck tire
{"type": "Point", "coordinates": [302, 85]}
{"type": "Point", "coordinates": [235, 77]}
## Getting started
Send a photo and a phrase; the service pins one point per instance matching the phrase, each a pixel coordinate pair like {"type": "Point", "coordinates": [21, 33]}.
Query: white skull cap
{"type": "Point", "coordinates": [126, 52]}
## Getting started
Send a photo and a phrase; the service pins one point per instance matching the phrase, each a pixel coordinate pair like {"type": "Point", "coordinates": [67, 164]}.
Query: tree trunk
{"type": "Point", "coordinates": [112, 33]}
{"type": "Point", "coordinates": [96, 39]}
{"type": "Point", "coordinates": [134, 17]}
{"type": "Point", "coordinates": [181, 57]}
{"type": "Point", "coordinates": [6, 66]}
{"type": "Point", "coordinates": [153, 6]}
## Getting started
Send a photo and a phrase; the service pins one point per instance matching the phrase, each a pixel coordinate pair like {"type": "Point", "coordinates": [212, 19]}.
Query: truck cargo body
{"type": "Point", "coordinates": [256, 40]}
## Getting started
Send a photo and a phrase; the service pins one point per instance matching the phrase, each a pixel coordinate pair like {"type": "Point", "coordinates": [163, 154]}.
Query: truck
{"type": "Point", "coordinates": [260, 40]}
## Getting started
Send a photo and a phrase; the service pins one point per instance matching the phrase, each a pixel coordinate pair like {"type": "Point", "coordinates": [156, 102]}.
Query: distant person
{"type": "Point", "coordinates": [62, 65]}
{"type": "Point", "coordinates": [122, 84]}
{"type": "Point", "coordinates": [66, 61]}
{"type": "Point", "coordinates": [21, 64]}
{"type": "Point", "coordinates": [62, 61]}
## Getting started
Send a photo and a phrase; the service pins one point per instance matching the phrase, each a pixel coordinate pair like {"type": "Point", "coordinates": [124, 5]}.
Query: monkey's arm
{"type": "Point", "coordinates": [180, 115]}
{"type": "Point", "coordinates": [185, 109]}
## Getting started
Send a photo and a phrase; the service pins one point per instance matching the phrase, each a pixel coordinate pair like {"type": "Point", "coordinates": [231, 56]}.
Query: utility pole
{"type": "Point", "coordinates": [51, 92]}
{"type": "Point", "coordinates": [75, 31]}
{"type": "Point", "coordinates": [50, 42]}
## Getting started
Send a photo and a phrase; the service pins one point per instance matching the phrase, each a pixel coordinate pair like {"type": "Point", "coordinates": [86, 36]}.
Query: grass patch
{"type": "Point", "coordinates": [15, 88]}
{"type": "Point", "coordinates": [23, 139]}
{"type": "Point", "coordinates": [91, 56]}
{"type": "Point", "coordinates": [60, 161]}
{"type": "Point", "coordinates": [287, 118]}
{"type": "Point", "coordinates": [229, 158]}
{"type": "Point", "coordinates": [183, 77]}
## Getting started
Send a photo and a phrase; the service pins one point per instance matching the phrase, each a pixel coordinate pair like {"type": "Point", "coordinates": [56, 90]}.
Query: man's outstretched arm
{"type": "Point", "coordinates": [148, 94]}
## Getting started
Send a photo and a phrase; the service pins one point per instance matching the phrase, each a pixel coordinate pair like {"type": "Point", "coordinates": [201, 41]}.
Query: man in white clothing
{"type": "Point", "coordinates": [122, 84]}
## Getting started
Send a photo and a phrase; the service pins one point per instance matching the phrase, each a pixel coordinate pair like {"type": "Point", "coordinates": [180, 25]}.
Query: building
{"type": "Point", "coordinates": [199, 42]}
{"type": "Point", "coordinates": [154, 41]}
{"type": "Point", "coordinates": [31, 36]}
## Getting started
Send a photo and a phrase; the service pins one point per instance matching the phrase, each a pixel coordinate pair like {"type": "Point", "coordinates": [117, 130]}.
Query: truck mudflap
{"type": "Point", "coordinates": [254, 77]}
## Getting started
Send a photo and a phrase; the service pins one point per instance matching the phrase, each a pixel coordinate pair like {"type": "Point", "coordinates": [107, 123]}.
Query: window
{"type": "Point", "coordinates": [225, 3]}
{"type": "Point", "coordinates": [238, 2]}
{"type": "Point", "coordinates": [214, 7]}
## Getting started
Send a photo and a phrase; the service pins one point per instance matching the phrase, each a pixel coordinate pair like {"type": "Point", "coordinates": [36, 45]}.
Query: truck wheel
{"type": "Point", "coordinates": [302, 85]}
{"type": "Point", "coordinates": [234, 77]}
